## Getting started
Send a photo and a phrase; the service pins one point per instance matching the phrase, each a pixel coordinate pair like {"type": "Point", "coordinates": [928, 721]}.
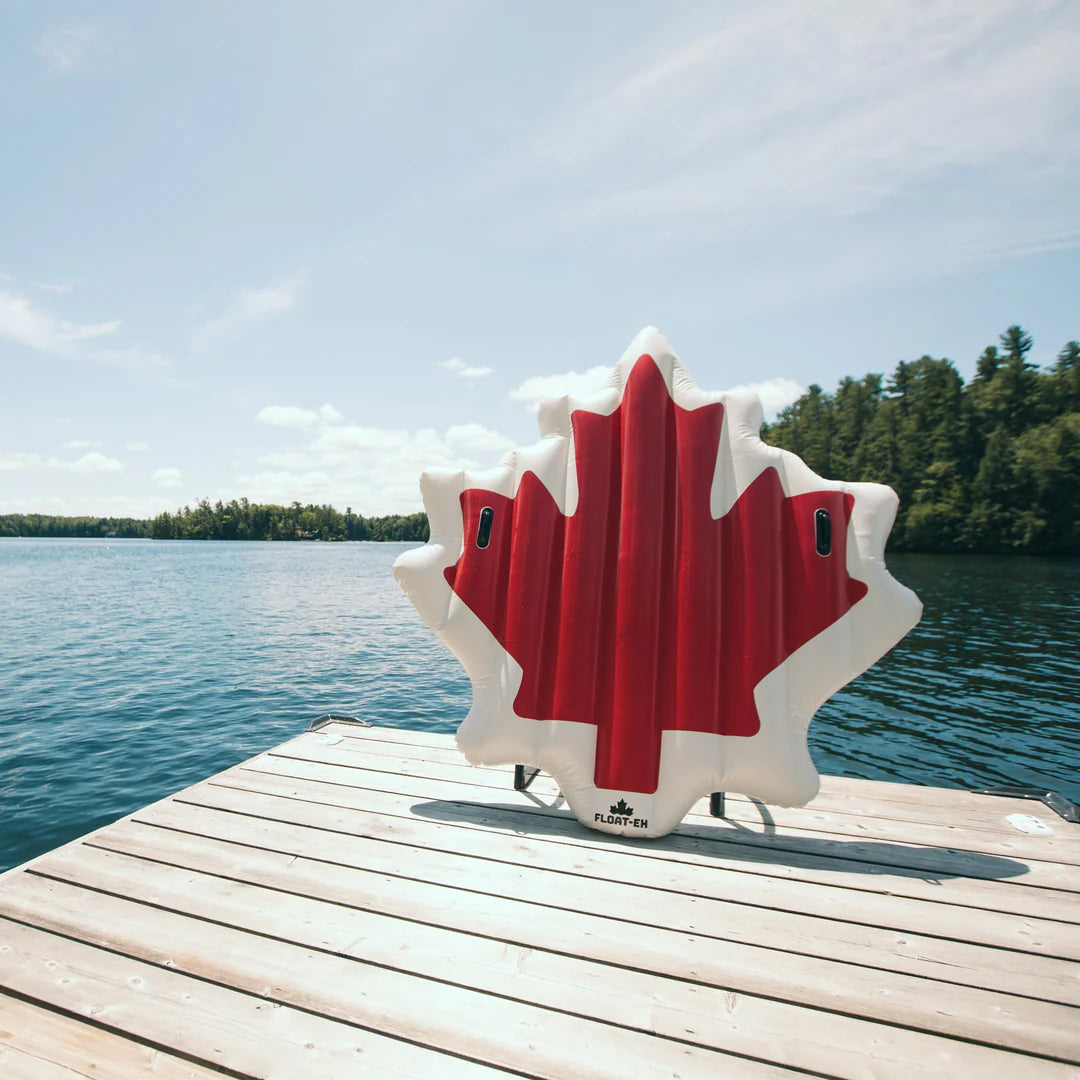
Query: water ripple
{"type": "Point", "coordinates": [130, 669]}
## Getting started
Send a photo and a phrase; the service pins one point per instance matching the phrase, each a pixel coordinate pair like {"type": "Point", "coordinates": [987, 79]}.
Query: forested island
{"type": "Point", "coordinates": [234, 520]}
{"type": "Point", "coordinates": [988, 466]}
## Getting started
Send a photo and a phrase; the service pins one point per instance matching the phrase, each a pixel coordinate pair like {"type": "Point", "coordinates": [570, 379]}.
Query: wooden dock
{"type": "Point", "coordinates": [362, 903]}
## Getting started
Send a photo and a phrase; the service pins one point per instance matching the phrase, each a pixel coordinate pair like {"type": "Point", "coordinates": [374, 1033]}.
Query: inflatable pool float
{"type": "Point", "coordinates": [650, 602]}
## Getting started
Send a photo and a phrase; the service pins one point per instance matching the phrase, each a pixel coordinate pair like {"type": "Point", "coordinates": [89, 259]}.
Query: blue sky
{"type": "Point", "coordinates": [305, 250]}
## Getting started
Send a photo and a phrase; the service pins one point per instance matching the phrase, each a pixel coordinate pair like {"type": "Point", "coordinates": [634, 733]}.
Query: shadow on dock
{"type": "Point", "coordinates": [728, 841]}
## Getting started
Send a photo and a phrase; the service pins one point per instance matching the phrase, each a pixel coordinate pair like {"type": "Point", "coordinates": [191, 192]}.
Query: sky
{"type": "Point", "coordinates": [305, 250]}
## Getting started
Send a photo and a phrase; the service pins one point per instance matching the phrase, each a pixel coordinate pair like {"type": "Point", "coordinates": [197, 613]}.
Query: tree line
{"type": "Point", "coordinates": [992, 465]}
{"type": "Point", "coordinates": [234, 520]}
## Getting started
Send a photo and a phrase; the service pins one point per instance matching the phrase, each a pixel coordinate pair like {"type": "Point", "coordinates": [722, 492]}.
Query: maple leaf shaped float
{"type": "Point", "coordinates": [652, 603]}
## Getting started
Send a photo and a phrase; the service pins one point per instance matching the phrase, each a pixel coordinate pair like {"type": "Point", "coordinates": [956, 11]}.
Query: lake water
{"type": "Point", "coordinates": [130, 669]}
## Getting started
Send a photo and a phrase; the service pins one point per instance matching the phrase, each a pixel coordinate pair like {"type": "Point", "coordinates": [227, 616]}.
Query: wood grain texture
{"type": "Point", "coordinates": [870, 803]}
{"type": "Point", "coordinates": [361, 902]}
{"type": "Point", "coordinates": [947, 876]}
{"type": "Point", "coordinates": [39, 1040]}
{"type": "Point", "coordinates": [746, 821]}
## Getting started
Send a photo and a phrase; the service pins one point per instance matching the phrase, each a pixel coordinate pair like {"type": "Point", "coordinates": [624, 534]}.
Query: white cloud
{"type": "Point", "coordinates": [70, 45]}
{"type": "Point", "coordinates": [89, 463]}
{"type": "Point", "coordinates": [287, 487]}
{"type": "Point", "coordinates": [49, 504]}
{"type": "Point", "coordinates": [253, 304]}
{"type": "Point", "coordinates": [293, 416]}
{"type": "Point", "coordinates": [775, 394]}
{"type": "Point", "coordinates": [354, 437]}
{"type": "Point", "coordinates": [463, 370]}
{"type": "Point", "coordinates": [136, 447]}
{"type": "Point", "coordinates": [40, 329]}
{"type": "Point", "coordinates": [477, 439]}
{"type": "Point", "coordinates": [376, 470]}
{"type": "Point", "coordinates": [779, 120]}
{"type": "Point", "coordinates": [168, 478]}
{"type": "Point", "coordinates": [287, 416]}
{"type": "Point", "coordinates": [13, 461]}
{"type": "Point", "coordinates": [79, 444]}
{"type": "Point", "coordinates": [23, 322]}
{"type": "Point", "coordinates": [59, 287]}
{"type": "Point", "coordinates": [248, 307]}
{"type": "Point", "coordinates": [93, 462]}
{"type": "Point", "coordinates": [89, 504]}
{"type": "Point", "coordinates": [538, 388]}
{"type": "Point", "coordinates": [288, 461]}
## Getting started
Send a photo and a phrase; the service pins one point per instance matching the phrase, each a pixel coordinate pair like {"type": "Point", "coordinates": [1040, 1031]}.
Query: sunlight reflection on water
{"type": "Point", "coordinates": [131, 669]}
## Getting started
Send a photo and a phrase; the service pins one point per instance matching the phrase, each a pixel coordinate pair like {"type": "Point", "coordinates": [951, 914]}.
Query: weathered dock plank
{"type": "Point", "coordinates": [942, 874]}
{"type": "Point", "coordinates": [38, 1043]}
{"type": "Point", "coordinates": [872, 800]}
{"type": "Point", "coordinates": [752, 819]}
{"type": "Point", "coordinates": [863, 811]}
{"type": "Point", "coordinates": [360, 902]}
{"type": "Point", "coordinates": [508, 895]}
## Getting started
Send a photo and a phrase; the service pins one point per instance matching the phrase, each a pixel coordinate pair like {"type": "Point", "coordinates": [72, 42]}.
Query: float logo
{"type": "Point", "coordinates": [621, 814]}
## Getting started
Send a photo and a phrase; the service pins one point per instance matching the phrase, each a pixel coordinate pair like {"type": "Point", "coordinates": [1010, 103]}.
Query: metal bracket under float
{"type": "Point", "coordinates": [337, 718]}
{"type": "Point", "coordinates": [1061, 806]}
{"type": "Point", "coordinates": [524, 775]}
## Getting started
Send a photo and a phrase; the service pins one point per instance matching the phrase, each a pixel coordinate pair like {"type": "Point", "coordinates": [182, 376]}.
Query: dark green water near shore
{"type": "Point", "coordinates": [130, 669]}
{"type": "Point", "coordinates": [985, 690]}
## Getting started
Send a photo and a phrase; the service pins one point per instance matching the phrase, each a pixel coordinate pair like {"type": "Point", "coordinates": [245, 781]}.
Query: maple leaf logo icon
{"type": "Point", "coordinates": [647, 599]}
{"type": "Point", "coordinates": [620, 809]}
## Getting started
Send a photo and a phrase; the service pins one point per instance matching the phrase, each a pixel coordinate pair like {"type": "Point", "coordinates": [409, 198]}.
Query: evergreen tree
{"type": "Point", "coordinates": [235, 520]}
{"type": "Point", "coordinates": [991, 466]}
{"type": "Point", "coordinates": [1063, 386]}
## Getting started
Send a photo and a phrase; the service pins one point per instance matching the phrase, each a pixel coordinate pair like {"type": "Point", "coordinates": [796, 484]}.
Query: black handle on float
{"type": "Point", "coordinates": [823, 531]}
{"type": "Point", "coordinates": [483, 530]}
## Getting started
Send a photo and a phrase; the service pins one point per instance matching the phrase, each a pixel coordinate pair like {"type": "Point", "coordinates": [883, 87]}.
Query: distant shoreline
{"type": "Point", "coordinates": [200, 540]}
{"type": "Point", "coordinates": [235, 520]}
{"type": "Point", "coordinates": [393, 528]}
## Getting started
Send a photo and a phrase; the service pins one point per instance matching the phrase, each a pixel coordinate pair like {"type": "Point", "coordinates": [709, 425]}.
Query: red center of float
{"type": "Point", "coordinates": [641, 613]}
